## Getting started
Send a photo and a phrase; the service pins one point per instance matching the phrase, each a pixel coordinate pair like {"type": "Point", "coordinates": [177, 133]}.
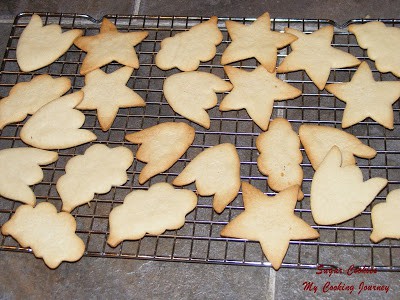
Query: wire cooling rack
{"type": "Point", "coordinates": [199, 240]}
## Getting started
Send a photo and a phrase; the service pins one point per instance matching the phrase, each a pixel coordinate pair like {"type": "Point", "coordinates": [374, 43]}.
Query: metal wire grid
{"type": "Point", "coordinates": [198, 240]}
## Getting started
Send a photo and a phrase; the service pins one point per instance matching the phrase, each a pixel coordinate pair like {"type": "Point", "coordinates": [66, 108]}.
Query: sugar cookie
{"type": "Point", "coordinates": [256, 92]}
{"type": "Point", "coordinates": [382, 43]}
{"type": "Point", "coordinates": [256, 40]}
{"type": "Point", "coordinates": [216, 171]}
{"type": "Point", "coordinates": [365, 97]}
{"type": "Point", "coordinates": [318, 140]}
{"type": "Point", "coordinates": [152, 211]}
{"type": "Point", "coordinates": [280, 156]}
{"type": "Point", "coordinates": [190, 94]}
{"type": "Point", "coordinates": [339, 193]}
{"type": "Point", "coordinates": [20, 168]}
{"type": "Point", "coordinates": [314, 54]}
{"type": "Point", "coordinates": [39, 46]}
{"type": "Point", "coordinates": [386, 218]}
{"type": "Point", "coordinates": [271, 221]}
{"type": "Point", "coordinates": [108, 46]}
{"type": "Point", "coordinates": [49, 234]}
{"type": "Point", "coordinates": [161, 146]}
{"type": "Point", "coordinates": [107, 93]}
{"type": "Point", "coordinates": [96, 171]}
{"type": "Point", "coordinates": [57, 125]}
{"type": "Point", "coordinates": [27, 97]}
{"type": "Point", "coordinates": [187, 49]}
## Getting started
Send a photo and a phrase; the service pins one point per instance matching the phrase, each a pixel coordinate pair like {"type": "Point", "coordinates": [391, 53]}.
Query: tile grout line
{"type": "Point", "coordinates": [136, 7]}
{"type": "Point", "coordinates": [271, 284]}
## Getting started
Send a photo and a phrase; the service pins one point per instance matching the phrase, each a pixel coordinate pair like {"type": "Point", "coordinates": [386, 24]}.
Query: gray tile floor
{"type": "Point", "coordinates": [22, 275]}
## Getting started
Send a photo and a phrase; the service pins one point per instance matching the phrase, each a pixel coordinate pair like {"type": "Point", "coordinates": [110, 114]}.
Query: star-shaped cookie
{"type": "Point", "coordinates": [271, 221]}
{"type": "Point", "coordinates": [256, 40]}
{"type": "Point", "coordinates": [256, 92]}
{"type": "Point", "coordinates": [109, 45]}
{"type": "Point", "coordinates": [366, 97]}
{"type": "Point", "coordinates": [107, 93]}
{"type": "Point", "coordinates": [314, 54]}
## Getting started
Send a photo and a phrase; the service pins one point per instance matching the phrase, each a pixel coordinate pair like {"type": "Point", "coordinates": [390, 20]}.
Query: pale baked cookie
{"type": "Point", "coordinates": [216, 172]}
{"type": "Point", "coordinates": [280, 156]}
{"type": "Point", "coordinates": [107, 93]}
{"type": "Point", "coordinates": [271, 221]}
{"type": "Point", "coordinates": [57, 125]}
{"type": "Point", "coordinates": [27, 97]}
{"type": "Point", "coordinates": [39, 46]}
{"type": "Point", "coordinates": [318, 140]}
{"type": "Point", "coordinates": [314, 54]}
{"type": "Point", "coordinates": [20, 168]}
{"type": "Point", "coordinates": [187, 49]}
{"type": "Point", "coordinates": [152, 211]}
{"type": "Point", "coordinates": [49, 234]}
{"type": "Point", "coordinates": [108, 46]}
{"type": "Point", "coordinates": [190, 94]}
{"type": "Point", "coordinates": [365, 97]}
{"type": "Point", "coordinates": [256, 92]}
{"type": "Point", "coordinates": [386, 218]}
{"type": "Point", "coordinates": [339, 193]}
{"type": "Point", "coordinates": [96, 171]}
{"type": "Point", "coordinates": [256, 40]}
{"type": "Point", "coordinates": [382, 43]}
{"type": "Point", "coordinates": [161, 146]}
